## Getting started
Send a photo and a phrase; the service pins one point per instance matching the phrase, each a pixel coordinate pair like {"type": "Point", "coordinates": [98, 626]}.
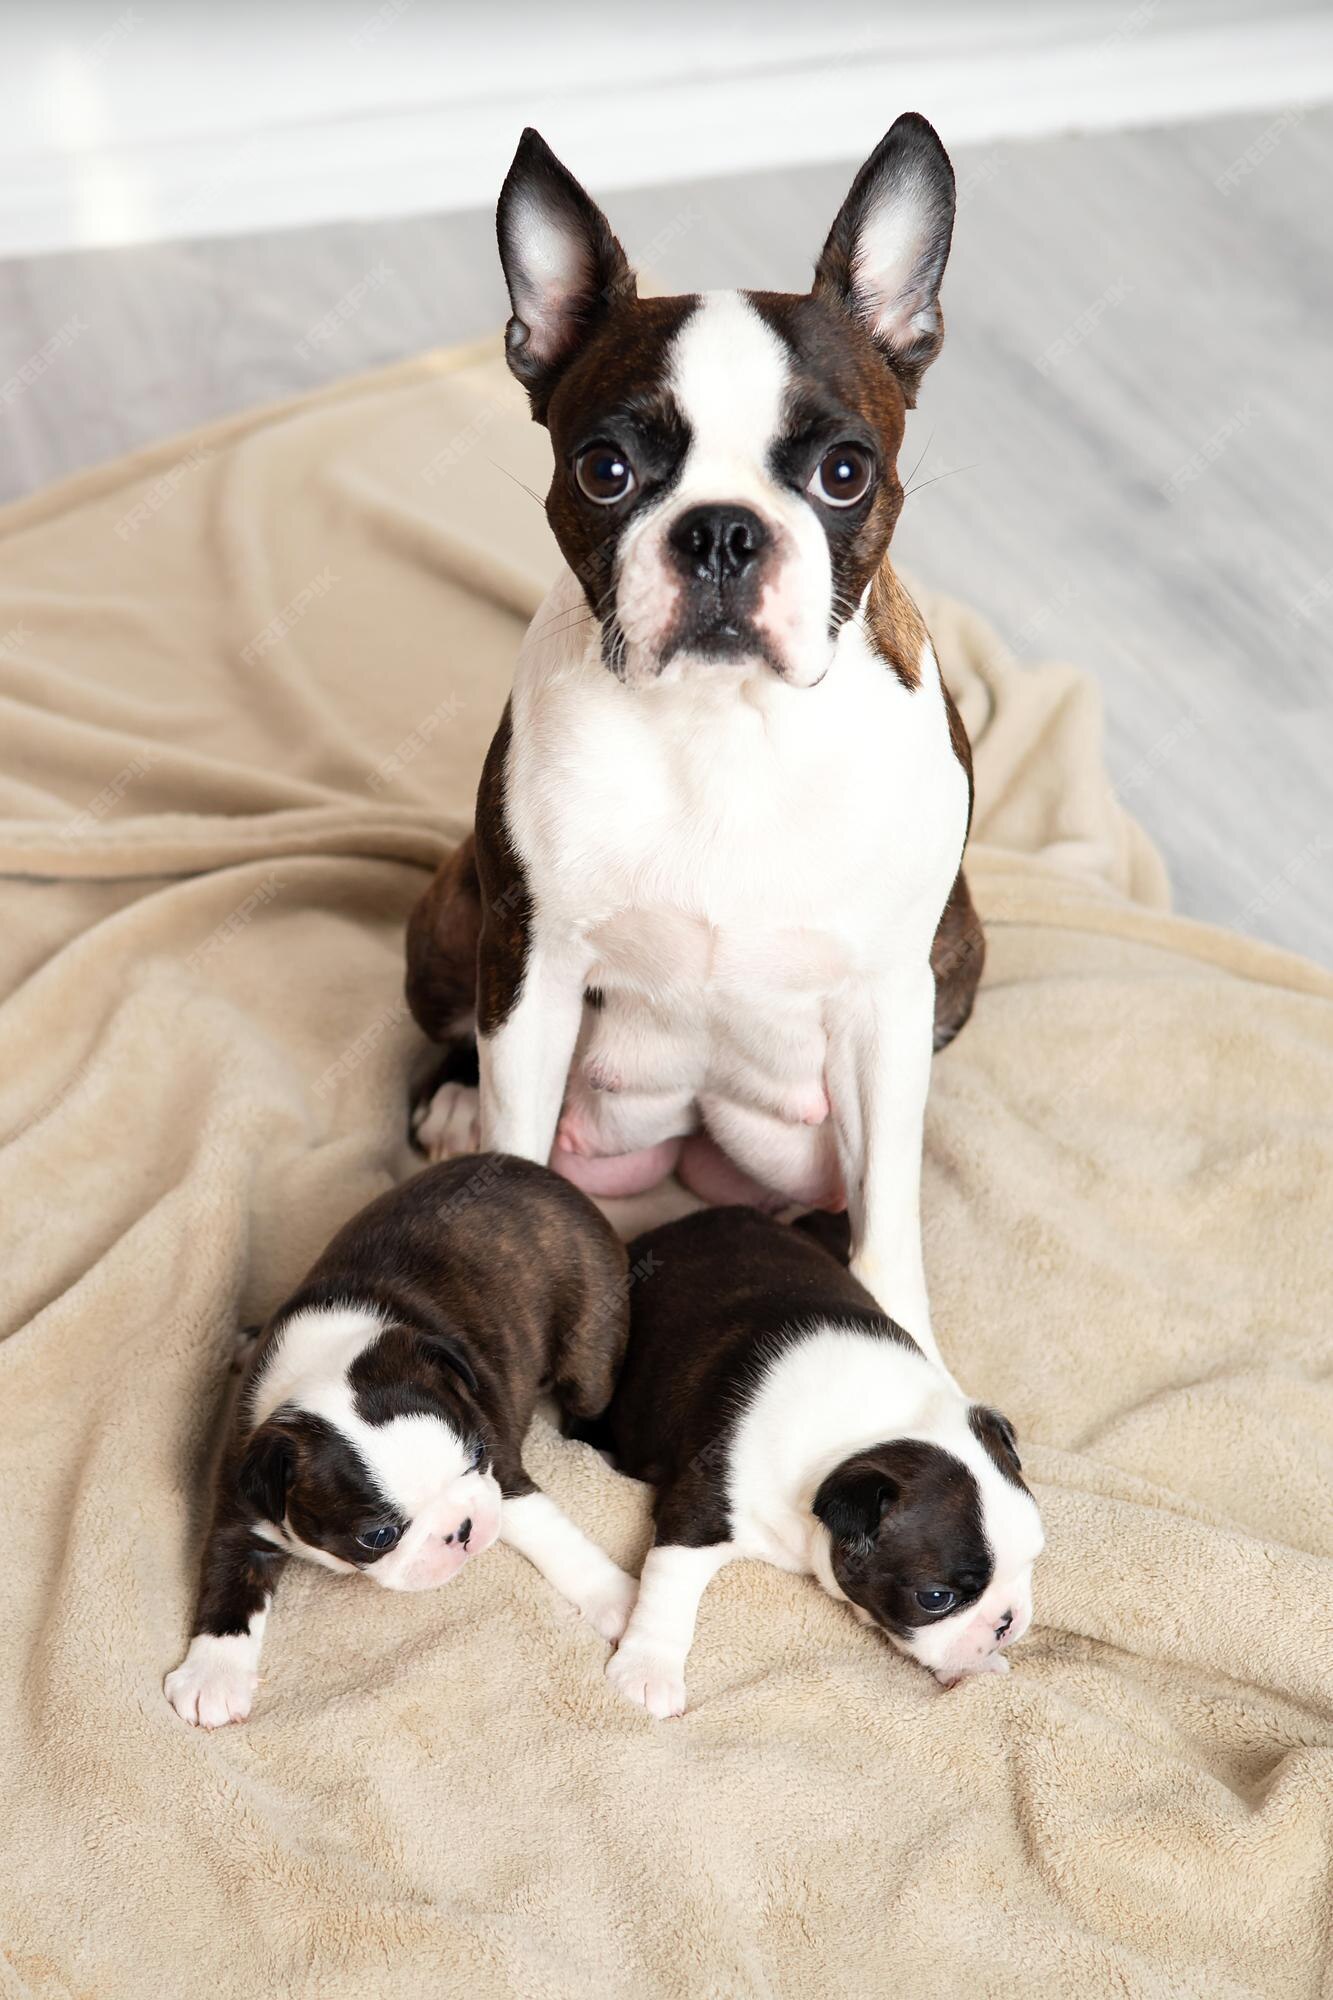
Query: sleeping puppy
{"type": "Point", "coordinates": [783, 1417]}
{"type": "Point", "coordinates": [380, 1427]}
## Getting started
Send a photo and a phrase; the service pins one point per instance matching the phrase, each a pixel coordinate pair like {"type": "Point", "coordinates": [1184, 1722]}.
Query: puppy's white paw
{"type": "Point", "coordinates": [214, 1684]}
{"type": "Point", "coordinates": [607, 1605]}
{"type": "Point", "coordinates": [449, 1123]}
{"type": "Point", "coordinates": [656, 1681]}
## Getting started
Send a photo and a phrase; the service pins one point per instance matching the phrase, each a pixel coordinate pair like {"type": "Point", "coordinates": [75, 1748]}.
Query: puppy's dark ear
{"type": "Point", "coordinates": [996, 1433]}
{"type": "Point", "coordinates": [446, 1352]}
{"type": "Point", "coordinates": [854, 1499]}
{"type": "Point", "coordinates": [886, 253]}
{"type": "Point", "coordinates": [265, 1471]}
{"type": "Point", "coordinates": [562, 264]}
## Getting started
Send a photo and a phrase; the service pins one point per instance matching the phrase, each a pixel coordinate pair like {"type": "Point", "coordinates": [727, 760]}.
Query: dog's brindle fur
{"type": "Point", "coordinates": [495, 1278]}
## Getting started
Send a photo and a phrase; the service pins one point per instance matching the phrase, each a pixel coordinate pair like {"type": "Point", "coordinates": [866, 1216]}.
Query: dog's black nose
{"type": "Point", "coordinates": [1004, 1624]}
{"type": "Point", "coordinates": [465, 1532]}
{"type": "Point", "coordinates": [717, 544]}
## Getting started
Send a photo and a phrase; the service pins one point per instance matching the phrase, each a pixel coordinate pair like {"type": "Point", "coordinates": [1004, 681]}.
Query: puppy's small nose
{"type": "Point", "coordinates": [465, 1534]}
{"type": "Point", "coordinates": [1004, 1624]}
{"type": "Point", "coordinates": [717, 544]}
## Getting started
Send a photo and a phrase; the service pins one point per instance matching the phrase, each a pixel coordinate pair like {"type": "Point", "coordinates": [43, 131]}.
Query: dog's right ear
{"type": "Point", "coordinates": [888, 246]}
{"type": "Point", "coordinates": [562, 264]}
{"type": "Point", "coordinates": [265, 1472]}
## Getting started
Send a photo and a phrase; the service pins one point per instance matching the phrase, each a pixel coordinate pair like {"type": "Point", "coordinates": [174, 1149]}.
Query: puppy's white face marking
{"type": "Point", "coordinates": [419, 1466]}
{"type": "Point", "coordinates": [729, 374]}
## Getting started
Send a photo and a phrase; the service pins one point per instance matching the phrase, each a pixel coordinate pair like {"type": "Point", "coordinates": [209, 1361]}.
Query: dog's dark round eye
{"type": "Point", "coordinates": [842, 476]}
{"type": "Point", "coordinates": [604, 474]}
{"type": "Point", "coordinates": [936, 1600]}
{"type": "Point", "coordinates": [478, 1458]}
{"type": "Point", "coordinates": [379, 1538]}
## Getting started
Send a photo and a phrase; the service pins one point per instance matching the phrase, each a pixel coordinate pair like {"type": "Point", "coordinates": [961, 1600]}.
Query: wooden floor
{"type": "Point", "coordinates": [1126, 449]}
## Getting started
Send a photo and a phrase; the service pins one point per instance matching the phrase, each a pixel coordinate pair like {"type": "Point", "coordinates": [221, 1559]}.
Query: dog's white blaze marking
{"type": "Point", "coordinates": [835, 1393]}
{"type": "Point", "coordinates": [215, 1682]}
{"type": "Point", "coordinates": [729, 373]}
{"type": "Point", "coordinates": [312, 1346]}
{"type": "Point", "coordinates": [649, 1667]}
{"type": "Point", "coordinates": [584, 1574]}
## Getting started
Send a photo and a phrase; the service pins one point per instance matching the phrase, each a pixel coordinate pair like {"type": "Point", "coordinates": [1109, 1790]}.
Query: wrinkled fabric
{"type": "Point", "coordinates": [247, 681]}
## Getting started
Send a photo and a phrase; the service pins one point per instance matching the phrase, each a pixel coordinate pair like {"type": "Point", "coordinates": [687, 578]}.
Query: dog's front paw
{"type": "Point", "coordinates": [607, 1605]}
{"type": "Point", "coordinates": [449, 1123]}
{"type": "Point", "coordinates": [211, 1686]}
{"type": "Point", "coordinates": [656, 1681]}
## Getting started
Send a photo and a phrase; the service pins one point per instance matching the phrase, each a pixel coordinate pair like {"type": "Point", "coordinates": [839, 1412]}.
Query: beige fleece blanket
{"type": "Point", "coordinates": [247, 679]}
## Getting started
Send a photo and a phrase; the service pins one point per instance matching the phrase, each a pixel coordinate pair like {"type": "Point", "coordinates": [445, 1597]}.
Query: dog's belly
{"type": "Point", "coordinates": [694, 1027]}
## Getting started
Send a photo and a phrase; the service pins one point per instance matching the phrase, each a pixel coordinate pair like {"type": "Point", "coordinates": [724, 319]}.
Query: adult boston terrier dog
{"type": "Point", "coordinates": [714, 913]}
{"type": "Point", "coordinates": [783, 1418]}
{"type": "Point", "coordinates": [381, 1425]}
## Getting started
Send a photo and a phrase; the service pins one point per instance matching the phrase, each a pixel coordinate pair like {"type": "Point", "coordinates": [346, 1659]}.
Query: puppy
{"type": "Point", "coordinates": [714, 913]}
{"type": "Point", "coordinates": [380, 1427]}
{"type": "Point", "coordinates": [782, 1417]}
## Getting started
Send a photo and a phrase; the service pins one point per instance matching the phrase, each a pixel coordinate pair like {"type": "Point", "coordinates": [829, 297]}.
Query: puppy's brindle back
{"type": "Point", "coordinates": [455, 1299]}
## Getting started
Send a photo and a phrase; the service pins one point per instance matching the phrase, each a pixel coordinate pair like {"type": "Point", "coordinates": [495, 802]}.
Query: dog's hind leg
{"type": "Point", "coordinates": [442, 939]}
{"type": "Point", "coordinates": [956, 959]}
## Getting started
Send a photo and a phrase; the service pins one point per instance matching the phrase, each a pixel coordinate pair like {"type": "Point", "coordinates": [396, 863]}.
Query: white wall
{"type": "Point", "coordinates": [165, 118]}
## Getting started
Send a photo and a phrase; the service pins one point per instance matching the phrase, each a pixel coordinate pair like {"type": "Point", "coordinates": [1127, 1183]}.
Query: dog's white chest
{"type": "Point", "coordinates": [738, 830]}
{"type": "Point", "coordinates": [730, 857]}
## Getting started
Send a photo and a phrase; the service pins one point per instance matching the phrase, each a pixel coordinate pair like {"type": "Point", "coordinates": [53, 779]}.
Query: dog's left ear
{"type": "Point", "coordinates": [853, 1500]}
{"type": "Point", "coordinates": [562, 264]}
{"type": "Point", "coordinates": [886, 253]}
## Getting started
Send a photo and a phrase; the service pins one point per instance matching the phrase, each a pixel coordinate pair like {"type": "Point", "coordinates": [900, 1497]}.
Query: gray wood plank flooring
{"type": "Point", "coordinates": [1124, 449]}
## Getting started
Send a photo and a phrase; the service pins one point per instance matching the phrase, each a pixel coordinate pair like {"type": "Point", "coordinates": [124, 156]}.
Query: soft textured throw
{"type": "Point", "coordinates": [247, 679]}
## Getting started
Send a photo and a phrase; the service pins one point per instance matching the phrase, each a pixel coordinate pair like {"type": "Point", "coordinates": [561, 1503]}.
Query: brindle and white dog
{"type": "Point", "coordinates": [714, 914]}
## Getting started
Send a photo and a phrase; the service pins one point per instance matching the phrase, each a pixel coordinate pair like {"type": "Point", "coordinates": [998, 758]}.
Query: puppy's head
{"type": "Point", "coordinates": [366, 1453]}
{"type": "Point", "coordinates": [726, 476]}
{"type": "Point", "coordinates": [934, 1542]}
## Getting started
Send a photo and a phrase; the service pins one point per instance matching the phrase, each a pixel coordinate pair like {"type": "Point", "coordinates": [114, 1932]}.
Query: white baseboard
{"type": "Point", "coordinates": [406, 108]}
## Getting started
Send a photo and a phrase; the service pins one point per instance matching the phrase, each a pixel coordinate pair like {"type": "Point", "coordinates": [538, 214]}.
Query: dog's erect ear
{"type": "Point", "coordinates": [265, 1472]}
{"type": "Point", "coordinates": [562, 264]}
{"type": "Point", "coordinates": [445, 1352]}
{"type": "Point", "coordinates": [886, 253]}
{"type": "Point", "coordinates": [853, 1501]}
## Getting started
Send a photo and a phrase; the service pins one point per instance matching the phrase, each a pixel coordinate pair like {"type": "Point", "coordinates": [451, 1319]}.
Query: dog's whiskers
{"type": "Point", "coordinates": [947, 474]}
{"type": "Point", "coordinates": [530, 491]}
